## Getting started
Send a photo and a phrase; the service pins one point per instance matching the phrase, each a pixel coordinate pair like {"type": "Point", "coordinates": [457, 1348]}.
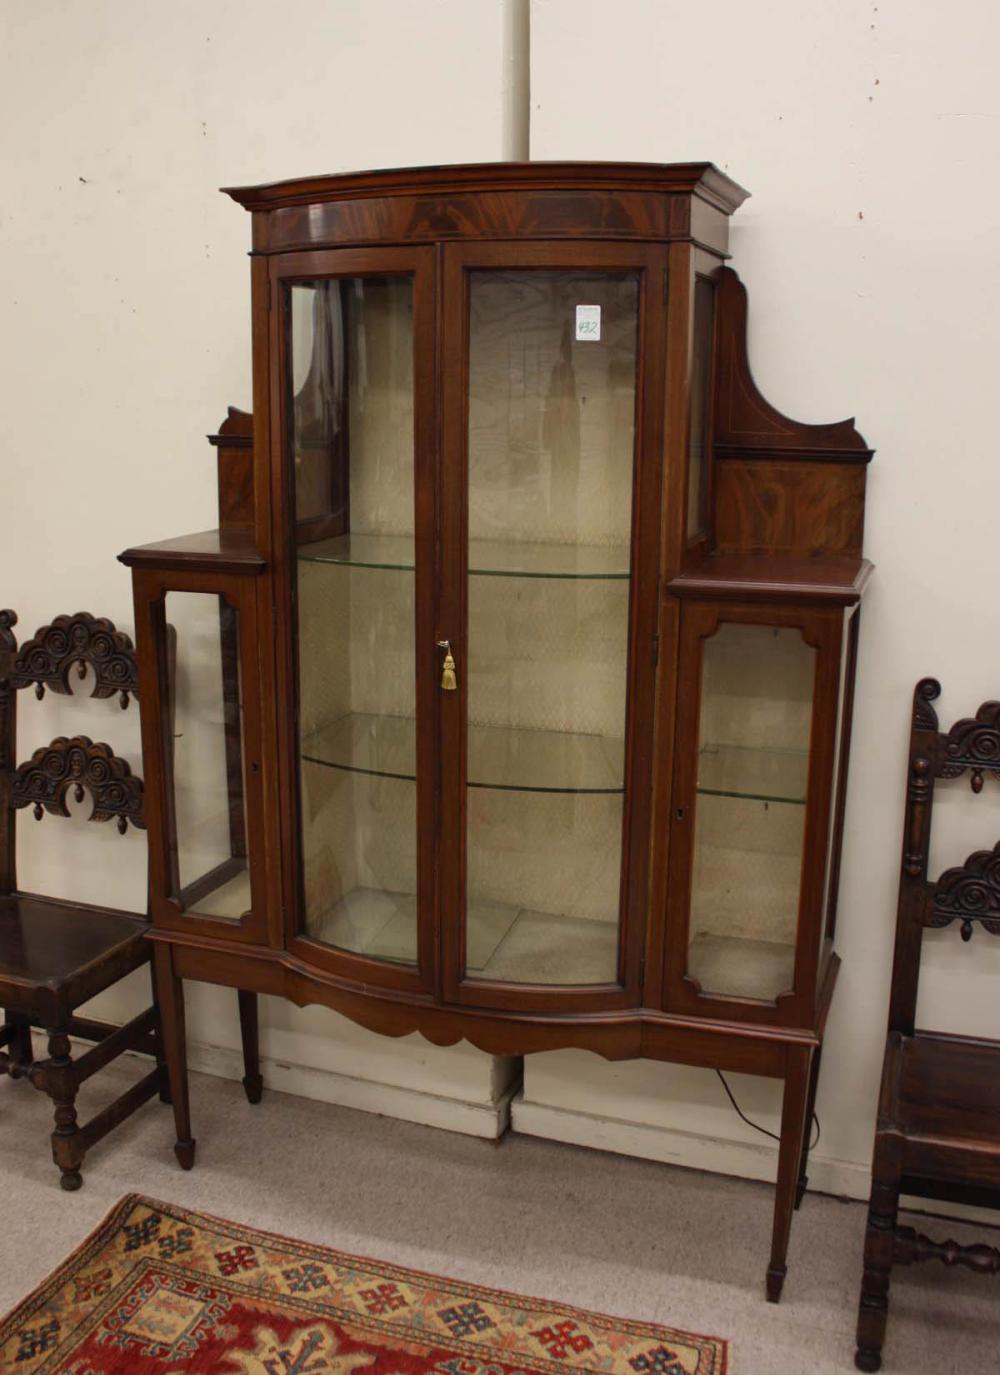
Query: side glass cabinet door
{"type": "Point", "coordinates": [202, 738]}
{"type": "Point", "coordinates": [757, 717]}
{"type": "Point", "coordinates": [540, 601]}
{"type": "Point", "coordinates": [357, 410]}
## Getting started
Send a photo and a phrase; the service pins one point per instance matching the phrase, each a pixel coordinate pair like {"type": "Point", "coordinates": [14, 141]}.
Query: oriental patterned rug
{"type": "Point", "coordinates": [159, 1290]}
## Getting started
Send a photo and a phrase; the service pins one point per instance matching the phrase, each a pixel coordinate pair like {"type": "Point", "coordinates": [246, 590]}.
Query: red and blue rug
{"type": "Point", "coordinates": [160, 1290]}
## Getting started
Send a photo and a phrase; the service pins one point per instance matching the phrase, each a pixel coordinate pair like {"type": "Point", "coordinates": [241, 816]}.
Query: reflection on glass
{"type": "Point", "coordinates": [498, 756]}
{"type": "Point", "coordinates": [840, 747]}
{"type": "Point", "coordinates": [208, 847]}
{"type": "Point", "coordinates": [753, 765]}
{"type": "Point", "coordinates": [701, 395]}
{"type": "Point", "coordinates": [551, 433]}
{"type": "Point", "coordinates": [351, 434]}
{"type": "Point", "coordinates": [487, 558]}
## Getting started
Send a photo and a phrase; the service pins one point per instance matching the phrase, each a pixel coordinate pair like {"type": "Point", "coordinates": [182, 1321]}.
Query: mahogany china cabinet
{"type": "Point", "coordinates": [511, 699]}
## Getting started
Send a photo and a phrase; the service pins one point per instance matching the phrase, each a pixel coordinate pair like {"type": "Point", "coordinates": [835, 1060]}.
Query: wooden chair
{"type": "Point", "coordinates": [938, 1130]}
{"type": "Point", "coordinates": [55, 955]}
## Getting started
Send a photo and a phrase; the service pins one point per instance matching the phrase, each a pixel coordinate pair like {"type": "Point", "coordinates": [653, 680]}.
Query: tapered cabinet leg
{"type": "Point", "coordinates": [873, 1310]}
{"type": "Point", "coordinates": [798, 1073]}
{"type": "Point", "coordinates": [803, 1183]}
{"type": "Point", "coordinates": [253, 1084]}
{"type": "Point", "coordinates": [170, 997]}
{"type": "Point", "coordinates": [161, 1058]}
{"type": "Point", "coordinates": [55, 1076]}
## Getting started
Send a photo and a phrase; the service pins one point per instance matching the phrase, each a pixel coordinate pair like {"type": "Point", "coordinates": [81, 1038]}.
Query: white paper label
{"type": "Point", "coordinates": [588, 322]}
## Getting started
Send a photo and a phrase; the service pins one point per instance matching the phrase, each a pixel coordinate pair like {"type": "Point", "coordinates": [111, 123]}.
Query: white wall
{"type": "Point", "coordinates": [868, 135]}
{"type": "Point", "coordinates": [125, 289]}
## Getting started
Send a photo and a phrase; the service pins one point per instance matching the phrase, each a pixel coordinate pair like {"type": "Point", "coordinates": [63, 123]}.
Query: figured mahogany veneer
{"type": "Point", "coordinates": [773, 541]}
{"type": "Point", "coordinates": [779, 485]}
{"type": "Point", "coordinates": [832, 580]}
{"type": "Point", "coordinates": [226, 550]}
{"type": "Point", "coordinates": [234, 444]}
{"type": "Point", "coordinates": [533, 200]}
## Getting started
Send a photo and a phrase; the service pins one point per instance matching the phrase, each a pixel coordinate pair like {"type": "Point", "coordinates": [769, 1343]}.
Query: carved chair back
{"type": "Point", "coordinates": [43, 782]}
{"type": "Point", "coordinates": [969, 893]}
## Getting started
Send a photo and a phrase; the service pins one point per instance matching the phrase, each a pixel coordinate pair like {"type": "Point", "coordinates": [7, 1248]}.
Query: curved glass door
{"type": "Point", "coordinates": [351, 437]}
{"type": "Point", "coordinates": [550, 441]}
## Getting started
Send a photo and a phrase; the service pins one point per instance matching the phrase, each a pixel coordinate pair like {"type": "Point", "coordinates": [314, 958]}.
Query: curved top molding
{"type": "Point", "coordinates": [701, 179]}
{"type": "Point", "coordinates": [235, 432]}
{"type": "Point", "coordinates": [745, 421]}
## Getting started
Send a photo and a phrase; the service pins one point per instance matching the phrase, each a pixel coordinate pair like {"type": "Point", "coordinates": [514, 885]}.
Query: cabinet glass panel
{"type": "Point", "coordinates": [351, 435]}
{"type": "Point", "coordinates": [753, 770]}
{"type": "Point", "coordinates": [841, 746]}
{"type": "Point", "coordinates": [207, 844]}
{"type": "Point", "coordinates": [701, 395]}
{"type": "Point", "coordinates": [552, 394]}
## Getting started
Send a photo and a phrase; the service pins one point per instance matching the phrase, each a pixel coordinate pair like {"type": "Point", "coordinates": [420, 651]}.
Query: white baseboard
{"type": "Point", "coordinates": [688, 1149]}
{"type": "Point", "coordinates": [484, 1119]}
{"type": "Point", "coordinates": [510, 1109]}
{"type": "Point", "coordinates": [693, 1151]}
{"type": "Point", "coordinates": [488, 1120]}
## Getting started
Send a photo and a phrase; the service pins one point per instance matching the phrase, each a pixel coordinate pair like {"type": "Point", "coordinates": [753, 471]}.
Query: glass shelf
{"type": "Point", "coordinates": [738, 967]}
{"type": "Point", "coordinates": [361, 551]}
{"type": "Point", "coordinates": [231, 900]}
{"type": "Point", "coordinates": [502, 941]}
{"type": "Point", "coordinates": [762, 775]}
{"type": "Point", "coordinates": [499, 756]}
{"type": "Point", "coordinates": [487, 558]}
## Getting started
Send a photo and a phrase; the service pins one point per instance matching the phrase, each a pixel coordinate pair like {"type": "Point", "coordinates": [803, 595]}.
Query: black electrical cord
{"type": "Point", "coordinates": [756, 1126]}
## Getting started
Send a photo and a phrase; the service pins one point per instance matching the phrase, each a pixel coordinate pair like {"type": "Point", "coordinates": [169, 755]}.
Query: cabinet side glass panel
{"type": "Point", "coordinates": [552, 395]}
{"type": "Point", "coordinates": [753, 771]}
{"type": "Point", "coordinates": [841, 746]}
{"type": "Point", "coordinates": [351, 435]}
{"type": "Point", "coordinates": [701, 396]}
{"type": "Point", "coordinates": [207, 844]}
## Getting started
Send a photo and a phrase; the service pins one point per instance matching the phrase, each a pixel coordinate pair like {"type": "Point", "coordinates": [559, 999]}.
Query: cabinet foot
{"type": "Point", "coordinates": [184, 1151]}
{"type": "Point", "coordinates": [791, 1155]}
{"type": "Point", "coordinates": [867, 1359]}
{"type": "Point", "coordinates": [775, 1281]}
{"type": "Point", "coordinates": [253, 1087]}
{"type": "Point", "coordinates": [253, 1083]}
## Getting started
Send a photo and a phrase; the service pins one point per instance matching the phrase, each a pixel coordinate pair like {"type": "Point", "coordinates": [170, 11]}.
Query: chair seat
{"type": "Point", "coordinates": [943, 1104]}
{"type": "Point", "coordinates": [54, 955]}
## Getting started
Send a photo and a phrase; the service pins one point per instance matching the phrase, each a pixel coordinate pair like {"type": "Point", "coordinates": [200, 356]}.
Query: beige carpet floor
{"type": "Point", "coordinates": [623, 1236]}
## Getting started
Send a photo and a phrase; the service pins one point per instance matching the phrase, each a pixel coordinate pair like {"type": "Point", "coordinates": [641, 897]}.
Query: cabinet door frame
{"type": "Point", "coordinates": [821, 629]}
{"type": "Point", "coordinates": [417, 263]}
{"type": "Point", "coordinates": [150, 591]}
{"type": "Point", "coordinates": [649, 261]}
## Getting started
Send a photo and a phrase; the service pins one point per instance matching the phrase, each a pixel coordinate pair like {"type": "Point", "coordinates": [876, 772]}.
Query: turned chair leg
{"type": "Point", "coordinates": [56, 1077]}
{"type": "Point", "coordinates": [803, 1183]}
{"type": "Point", "coordinates": [253, 1084]}
{"type": "Point", "coordinates": [873, 1310]}
{"type": "Point", "coordinates": [170, 998]}
{"type": "Point", "coordinates": [793, 1127]}
{"type": "Point", "coordinates": [21, 1049]}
